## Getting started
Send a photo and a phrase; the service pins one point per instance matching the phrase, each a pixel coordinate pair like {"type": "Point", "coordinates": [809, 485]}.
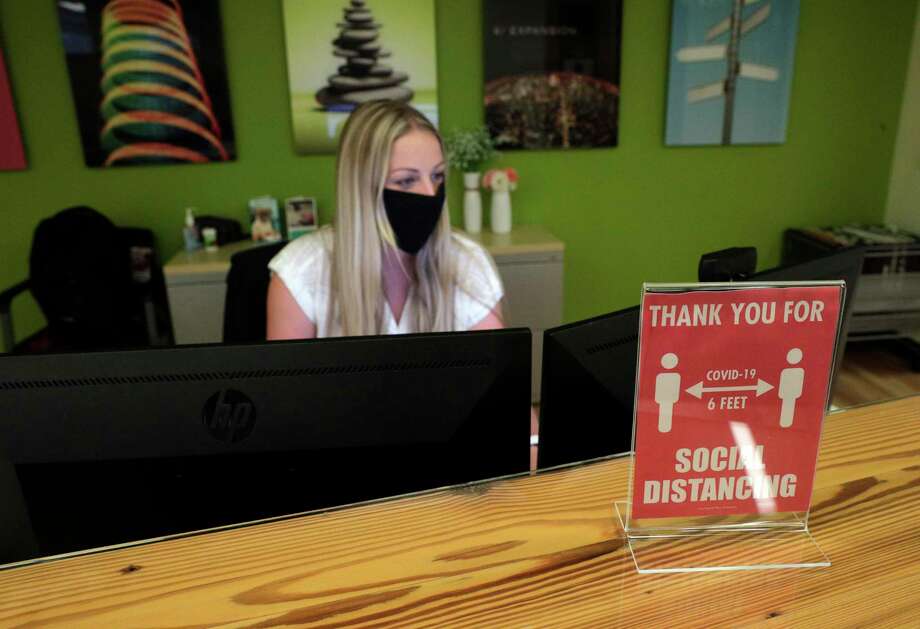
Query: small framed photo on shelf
{"type": "Point", "coordinates": [266, 219]}
{"type": "Point", "coordinates": [301, 216]}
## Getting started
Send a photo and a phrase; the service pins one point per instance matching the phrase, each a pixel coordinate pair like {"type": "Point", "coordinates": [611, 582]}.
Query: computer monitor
{"type": "Point", "coordinates": [589, 368]}
{"type": "Point", "coordinates": [843, 265]}
{"type": "Point", "coordinates": [727, 265]}
{"type": "Point", "coordinates": [105, 448]}
{"type": "Point", "coordinates": [588, 387]}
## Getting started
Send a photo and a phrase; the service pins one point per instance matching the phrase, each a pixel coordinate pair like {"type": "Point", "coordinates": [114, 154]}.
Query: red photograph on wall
{"type": "Point", "coordinates": [12, 155]}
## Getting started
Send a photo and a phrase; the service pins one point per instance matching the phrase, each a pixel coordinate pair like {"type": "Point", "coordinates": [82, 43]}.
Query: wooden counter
{"type": "Point", "coordinates": [539, 551]}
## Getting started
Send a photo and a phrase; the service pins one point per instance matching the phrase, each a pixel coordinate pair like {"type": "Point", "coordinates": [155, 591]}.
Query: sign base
{"type": "Point", "coordinates": [708, 551]}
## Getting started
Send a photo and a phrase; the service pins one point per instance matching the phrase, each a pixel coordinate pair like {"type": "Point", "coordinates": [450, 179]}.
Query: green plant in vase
{"type": "Point", "coordinates": [467, 150]}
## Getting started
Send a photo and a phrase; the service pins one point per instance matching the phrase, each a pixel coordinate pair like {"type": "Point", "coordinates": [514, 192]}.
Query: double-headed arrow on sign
{"type": "Point", "coordinates": [697, 390]}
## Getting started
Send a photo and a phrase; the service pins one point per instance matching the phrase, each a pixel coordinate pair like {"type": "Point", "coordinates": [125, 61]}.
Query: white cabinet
{"type": "Point", "coordinates": [529, 260]}
{"type": "Point", "coordinates": [196, 285]}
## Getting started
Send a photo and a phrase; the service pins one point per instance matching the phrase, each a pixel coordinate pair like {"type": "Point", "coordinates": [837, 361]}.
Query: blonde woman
{"type": "Point", "coordinates": [391, 264]}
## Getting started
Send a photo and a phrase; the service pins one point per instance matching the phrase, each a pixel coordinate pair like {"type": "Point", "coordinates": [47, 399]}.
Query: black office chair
{"type": "Point", "coordinates": [99, 286]}
{"type": "Point", "coordinates": [247, 290]}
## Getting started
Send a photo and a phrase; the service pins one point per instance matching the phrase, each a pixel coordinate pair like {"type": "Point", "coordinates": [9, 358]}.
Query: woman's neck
{"type": "Point", "coordinates": [398, 269]}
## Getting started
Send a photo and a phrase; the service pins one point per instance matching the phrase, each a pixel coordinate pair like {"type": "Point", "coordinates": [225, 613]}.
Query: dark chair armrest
{"type": "Point", "coordinates": [7, 296]}
{"type": "Point", "coordinates": [6, 320]}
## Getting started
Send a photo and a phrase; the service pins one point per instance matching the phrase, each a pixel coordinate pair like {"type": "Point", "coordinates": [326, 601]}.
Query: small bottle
{"type": "Point", "coordinates": [209, 236]}
{"type": "Point", "coordinates": [190, 232]}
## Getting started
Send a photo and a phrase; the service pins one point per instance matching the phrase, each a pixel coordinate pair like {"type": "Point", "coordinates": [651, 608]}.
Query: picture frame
{"type": "Point", "coordinates": [342, 53]}
{"type": "Point", "coordinates": [301, 216]}
{"type": "Point", "coordinates": [265, 219]}
{"type": "Point", "coordinates": [551, 71]}
{"type": "Point", "coordinates": [149, 87]}
{"type": "Point", "coordinates": [12, 153]}
{"type": "Point", "coordinates": [731, 64]}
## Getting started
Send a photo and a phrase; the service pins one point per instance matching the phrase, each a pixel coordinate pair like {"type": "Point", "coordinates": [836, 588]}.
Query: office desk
{"type": "Point", "coordinates": [540, 551]}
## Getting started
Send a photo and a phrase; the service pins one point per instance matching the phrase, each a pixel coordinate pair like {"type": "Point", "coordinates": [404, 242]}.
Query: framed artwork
{"type": "Point", "coordinates": [300, 216]}
{"type": "Point", "coordinates": [552, 72]}
{"type": "Point", "coordinates": [342, 53]}
{"type": "Point", "coordinates": [265, 219]}
{"type": "Point", "coordinates": [12, 154]}
{"type": "Point", "coordinates": [730, 73]}
{"type": "Point", "coordinates": [149, 81]}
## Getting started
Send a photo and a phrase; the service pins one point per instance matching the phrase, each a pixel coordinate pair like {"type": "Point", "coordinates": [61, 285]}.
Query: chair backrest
{"type": "Point", "coordinates": [80, 275]}
{"type": "Point", "coordinates": [247, 291]}
{"type": "Point", "coordinates": [148, 284]}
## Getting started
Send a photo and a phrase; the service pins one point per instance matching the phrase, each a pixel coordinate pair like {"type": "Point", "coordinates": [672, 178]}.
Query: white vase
{"type": "Point", "coordinates": [501, 212]}
{"type": "Point", "coordinates": [472, 204]}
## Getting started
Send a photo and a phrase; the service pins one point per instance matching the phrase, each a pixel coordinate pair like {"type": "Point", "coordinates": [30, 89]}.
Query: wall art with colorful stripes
{"type": "Point", "coordinates": [149, 81]}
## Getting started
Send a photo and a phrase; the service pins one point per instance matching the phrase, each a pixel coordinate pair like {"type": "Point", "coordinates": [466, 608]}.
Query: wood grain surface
{"type": "Point", "coordinates": [537, 551]}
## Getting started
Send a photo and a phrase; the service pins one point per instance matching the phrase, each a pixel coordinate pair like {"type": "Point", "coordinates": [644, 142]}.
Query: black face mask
{"type": "Point", "coordinates": [413, 217]}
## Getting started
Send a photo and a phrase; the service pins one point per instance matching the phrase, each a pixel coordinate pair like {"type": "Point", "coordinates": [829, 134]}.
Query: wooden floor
{"type": "Point", "coordinates": [871, 372]}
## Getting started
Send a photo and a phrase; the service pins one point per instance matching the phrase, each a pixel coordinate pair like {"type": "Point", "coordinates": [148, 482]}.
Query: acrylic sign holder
{"type": "Point", "coordinates": [731, 390]}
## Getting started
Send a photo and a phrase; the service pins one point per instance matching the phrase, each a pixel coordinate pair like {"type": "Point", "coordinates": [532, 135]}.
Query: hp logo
{"type": "Point", "coordinates": [229, 416]}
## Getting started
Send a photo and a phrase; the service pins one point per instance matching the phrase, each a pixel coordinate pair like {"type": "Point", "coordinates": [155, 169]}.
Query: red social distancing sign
{"type": "Point", "coordinates": [732, 387]}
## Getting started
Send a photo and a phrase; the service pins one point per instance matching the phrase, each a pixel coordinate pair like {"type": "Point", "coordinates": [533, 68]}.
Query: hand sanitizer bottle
{"type": "Point", "coordinates": [190, 231]}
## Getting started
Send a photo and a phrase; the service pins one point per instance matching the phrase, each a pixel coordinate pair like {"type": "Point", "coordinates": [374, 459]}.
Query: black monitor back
{"type": "Point", "coordinates": [589, 368]}
{"type": "Point", "coordinates": [588, 387]}
{"type": "Point", "coordinates": [110, 447]}
{"type": "Point", "coordinates": [844, 265]}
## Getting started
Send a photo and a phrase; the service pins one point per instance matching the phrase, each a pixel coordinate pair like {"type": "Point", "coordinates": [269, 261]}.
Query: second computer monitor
{"type": "Point", "coordinates": [589, 368]}
{"type": "Point", "coordinates": [588, 386]}
{"type": "Point", "coordinates": [843, 265]}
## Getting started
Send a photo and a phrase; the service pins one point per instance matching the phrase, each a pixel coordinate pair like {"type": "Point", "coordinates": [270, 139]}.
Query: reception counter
{"type": "Point", "coordinates": [531, 551]}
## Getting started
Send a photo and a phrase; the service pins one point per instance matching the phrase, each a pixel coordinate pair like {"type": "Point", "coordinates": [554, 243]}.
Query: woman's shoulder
{"type": "Point", "coordinates": [468, 250]}
{"type": "Point", "coordinates": [307, 250]}
{"type": "Point", "coordinates": [302, 267]}
{"type": "Point", "coordinates": [476, 272]}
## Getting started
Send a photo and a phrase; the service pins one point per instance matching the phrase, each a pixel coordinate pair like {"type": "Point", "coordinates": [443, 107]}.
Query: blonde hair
{"type": "Point", "coordinates": [363, 232]}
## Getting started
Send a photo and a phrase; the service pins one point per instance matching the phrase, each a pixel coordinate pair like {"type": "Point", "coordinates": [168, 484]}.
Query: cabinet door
{"type": "Point", "coordinates": [533, 299]}
{"type": "Point", "coordinates": [197, 312]}
{"type": "Point", "coordinates": [533, 293]}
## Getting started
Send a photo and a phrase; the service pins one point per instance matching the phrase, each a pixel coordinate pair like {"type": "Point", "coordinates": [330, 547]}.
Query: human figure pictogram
{"type": "Point", "coordinates": [667, 391]}
{"type": "Point", "coordinates": [791, 381]}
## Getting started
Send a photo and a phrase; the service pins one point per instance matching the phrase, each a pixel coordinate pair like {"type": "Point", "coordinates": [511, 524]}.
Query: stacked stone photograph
{"type": "Point", "coordinates": [362, 78]}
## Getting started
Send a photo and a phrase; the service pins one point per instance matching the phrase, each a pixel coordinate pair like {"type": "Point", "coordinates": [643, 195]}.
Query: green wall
{"type": "Point", "coordinates": [639, 212]}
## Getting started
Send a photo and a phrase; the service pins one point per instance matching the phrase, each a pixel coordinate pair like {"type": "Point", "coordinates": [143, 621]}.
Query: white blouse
{"type": "Point", "coordinates": [303, 265]}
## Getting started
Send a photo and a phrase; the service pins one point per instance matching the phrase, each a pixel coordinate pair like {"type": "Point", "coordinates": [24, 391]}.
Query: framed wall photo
{"type": "Point", "coordinates": [265, 219]}
{"type": "Point", "coordinates": [341, 53]}
{"type": "Point", "coordinates": [730, 75]}
{"type": "Point", "coordinates": [552, 72]}
{"type": "Point", "coordinates": [149, 81]}
{"type": "Point", "coordinates": [12, 154]}
{"type": "Point", "coordinates": [300, 216]}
